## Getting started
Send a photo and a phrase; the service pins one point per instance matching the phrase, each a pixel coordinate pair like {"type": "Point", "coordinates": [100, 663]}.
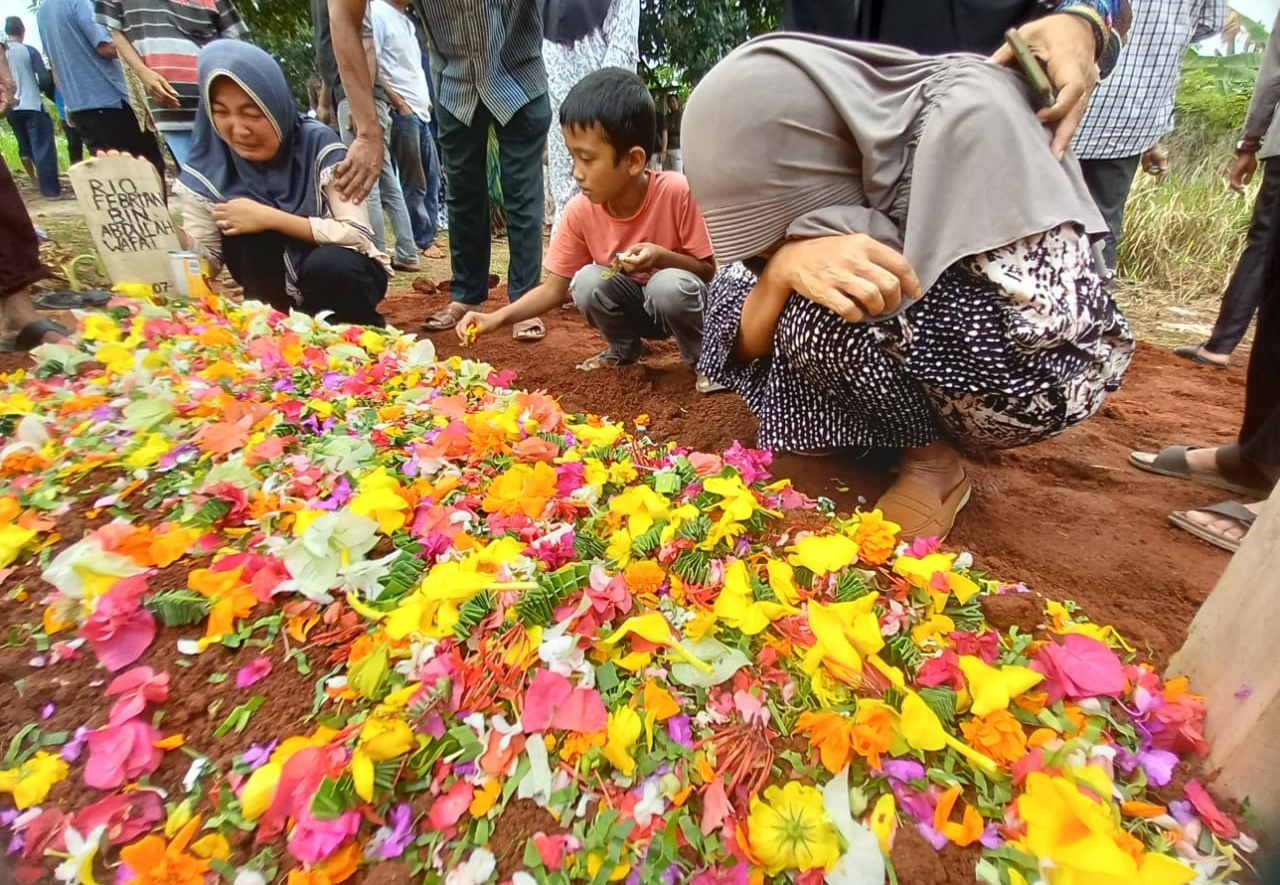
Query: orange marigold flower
{"type": "Point", "coordinates": [644, 578]}
{"type": "Point", "coordinates": [831, 735]}
{"type": "Point", "coordinates": [998, 735]}
{"type": "Point", "coordinates": [968, 831]}
{"type": "Point", "coordinates": [873, 730]}
{"type": "Point", "coordinates": [876, 537]}
{"type": "Point", "coordinates": [155, 862]}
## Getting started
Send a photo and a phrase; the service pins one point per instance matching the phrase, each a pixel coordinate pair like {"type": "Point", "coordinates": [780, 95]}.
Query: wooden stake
{"type": "Point", "coordinates": [1231, 656]}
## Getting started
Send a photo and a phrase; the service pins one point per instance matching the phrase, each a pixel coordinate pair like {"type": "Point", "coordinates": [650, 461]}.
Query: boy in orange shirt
{"type": "Point", "coordinates": [632, 250]}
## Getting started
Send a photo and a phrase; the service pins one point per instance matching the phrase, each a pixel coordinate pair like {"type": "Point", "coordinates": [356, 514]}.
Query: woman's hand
{"type": "Point", "coordinates": [243, 216]}
{"type": "Point", "coordinates": [854, 275]}
{"type": "Point", "coordinates": [1066, 43]}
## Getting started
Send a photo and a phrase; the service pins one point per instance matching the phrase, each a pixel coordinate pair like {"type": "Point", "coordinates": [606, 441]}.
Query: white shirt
{"type": "Point", "coordinates": [400, 57]}
{"type": "Point", "coordinates": [29, 98]}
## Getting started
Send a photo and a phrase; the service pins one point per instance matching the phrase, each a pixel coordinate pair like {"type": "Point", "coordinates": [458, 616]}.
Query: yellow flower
{"type": "Point", "coordinates": [846, 631]}
{"type": "Point", "coordinates": [641, 506]}
{"type": "Point", "coordinates": [790, 830]}
{"type": "Point", "coordinates": [875, 725]}
{"type": "Point", "coordinates": [921, 727]}
{"type": "Point", "coordinates": [1079, 840]}
{"type": "Point", "coordinates": [822, 554]}
{"type": "Point", "coordinates": [30, 782]}
{"type": "Point", "coordinates": [379, 497]}
{"type": "Point", "coordinates": [521, 488]}
{"type": "Point", "coordinates": [884, 820]}
{"type": "Point", "coordinates": [737, 501]}
{"type": "Point", "coordinates": [782, 581]}
{"type": "Point", "coordinates": [993, 687]}
{"type": "Point", "coordinates": [933, 573]}
{"type": "Point", "coordinates": [153, 448]}
{"type": "Point", "coordinates": [381, 738]}
{"type": "Point", "coordinates": [99, 327]}
{"type": "Point", "coordinates": [13, 538]}
{"type": "Point", "coordinates": [736, 605]}
{"type": "Point", "coordinates": [623, 731]}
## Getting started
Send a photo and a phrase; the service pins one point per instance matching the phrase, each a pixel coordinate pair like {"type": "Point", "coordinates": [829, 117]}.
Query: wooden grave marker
{"type": "Point", "coordinates": [124, 206]}
{"type": "Point", "coordinates": [1230, 655]}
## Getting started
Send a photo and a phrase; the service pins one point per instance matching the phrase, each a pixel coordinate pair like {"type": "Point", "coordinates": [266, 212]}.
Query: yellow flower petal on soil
{"type": "Point", "coordinates": [992, 688]}
{"type": "Point", "coordinates": [934, 574]}
{"type": "Point", "coordinates": [822, 554]}
{"type": "Point", "coordinates": [736, 605]}
{"type": "Point", "coordinates": [737, 501]}
{"type": "Point", "coordinates": [362, 775]}
{"type": "Point", "coordinates": [29, 783]}
{"type": "Point", "coordinates": [641, 506]}
{"type": "Point", "coordinates": [385, 737]}
{"type": "Point", "coordinates": [790, 830]}
{"type": "Point", "coordinates": [383, 505]}
{"type": "Point", "coordinates": [623, 731]}
{"type": "Point", "coordinates": [13, 538]}
{"type": "Point", "coordinates": [212, 846]}
{"type": "Point", "coordinates": [595, 861]}
{"type": "Point", "coordinates": [153, 448]}
{"type": "Point", "coordinates": [782, 582]}
{"type": "Point", "coordinates": [884, 820]}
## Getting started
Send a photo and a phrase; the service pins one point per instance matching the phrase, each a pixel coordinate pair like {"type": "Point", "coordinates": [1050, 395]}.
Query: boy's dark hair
{"type": "Point", "coordinates": [14, 27]}
{"type": "Point", "coordinates": [618, 101]}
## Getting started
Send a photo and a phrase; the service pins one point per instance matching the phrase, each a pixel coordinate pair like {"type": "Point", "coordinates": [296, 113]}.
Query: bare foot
{"type": "Point", "coordinates": [1205, 462]}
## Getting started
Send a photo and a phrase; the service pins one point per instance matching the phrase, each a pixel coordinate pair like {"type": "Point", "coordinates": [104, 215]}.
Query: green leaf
{"type": "Point", "coordinates": [217, 678]}
{"type": "Point", "coordinates": [238, 718]}
{"type": "Point", "coordinates": [333, 798]}
{"type": "Point", "coordinates": [178, 607]}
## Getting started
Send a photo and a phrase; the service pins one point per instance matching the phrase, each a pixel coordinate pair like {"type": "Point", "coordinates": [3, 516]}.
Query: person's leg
{"type": "Point", "coordinates": [406, 150]}
{"type": "Point", "coordinates": [677, 160]}
{"type": "Point", "coordinates": [44, 151]}
{"type": "Point", "coordinates": [520, 145]}
{"type": "Point", "coordinates": [377, 223]}
{"type": "Point", "coordinates": [431, 173]}
{"type": "Point", "coordinates": [391, 202]}
{"type": "Point", "coordinates": [1109, 182]}
{"type": "Point", "coordinates": [674, 299]}
{"type": "Point", "coordinates": [346, 283]}
{"type": "Point", "coordinates": [75, 145]}
{"type": "Point", "coordinates": [117, 129]}
{"type": "Point", "coordinates": [256, 262]}
{"type": "Point", "coordinates": [18, 123]}
{"type": "Point", "coordinates": [616, 308]}
{"type": "Point", "coordinates": [179, 142]}
{"type": "Point", "coordinates": [463, 150]}
{"type": "Point", "coordinates": [1240, 299]}
{"type": "Point", "coordinates": [20, 266]}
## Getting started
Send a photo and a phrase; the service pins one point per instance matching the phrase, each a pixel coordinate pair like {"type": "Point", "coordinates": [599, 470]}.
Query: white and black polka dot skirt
{"type": "Point", "coordinates": [1006, 349]}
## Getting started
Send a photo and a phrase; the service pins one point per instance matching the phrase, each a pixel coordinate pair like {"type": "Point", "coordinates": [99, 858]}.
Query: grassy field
{"type": "Point", "coordinates": [9, 147]}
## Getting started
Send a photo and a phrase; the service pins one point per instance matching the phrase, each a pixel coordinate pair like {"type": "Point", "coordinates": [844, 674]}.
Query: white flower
{"type": "Point", "coordinates": [77, 869]}
{"type": "Point", "coordinates": [478, 868]}
{"type": "Point", "coordinates": [247, 876]}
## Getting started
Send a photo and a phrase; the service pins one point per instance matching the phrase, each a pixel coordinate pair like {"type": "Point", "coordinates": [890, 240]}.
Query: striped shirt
{"type": "Point", "coordinates": [485, 52]}
{"type": "Point", "coordinates": [167, 35]}
{"type": "Point", "coordinates": [1133, 108]}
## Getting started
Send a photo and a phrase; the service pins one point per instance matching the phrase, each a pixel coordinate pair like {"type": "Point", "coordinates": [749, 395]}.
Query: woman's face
{"type": "Point", "coordinates": [241, 122]}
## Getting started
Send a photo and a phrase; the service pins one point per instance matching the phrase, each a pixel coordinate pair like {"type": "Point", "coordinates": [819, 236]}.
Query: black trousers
{"type": "Point", "coordinates": [1244, 291]}
{"type": "Point", "coordinates": [116, 129]}
{"type": "Point", "coordinates": [331, 278]}
{"type": "Point", "coordinates": [1260, 430]}
{"type": "Point", "coordinates": [1109, 182]}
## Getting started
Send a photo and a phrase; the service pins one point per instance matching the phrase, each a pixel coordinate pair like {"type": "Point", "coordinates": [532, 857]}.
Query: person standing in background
{"type": "Point", "coordinates": [1133, 108]}
{"type": "Point", "coordinates": [400, 71]}
{"type": "Point", "coordinates": [582, 36]}
{"type": "Point", "coordinates": [1260, 140]}
{"type": "Point", "coordinates": [160, 40]}
{"type": "Point", "coordinates": [92, 82]}
{"type": "Point", "coordinates": [75, 147]}
{"type": "Point", "coordinates": [32, 125]}
{"type": "Point", "coordinates": [384, 194]}
{"type": "Point", "coordinates": [487, 62]}
{"type": "Point", "coordinates": [671, 157]}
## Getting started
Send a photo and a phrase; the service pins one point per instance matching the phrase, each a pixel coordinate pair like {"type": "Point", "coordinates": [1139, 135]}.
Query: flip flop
{"type": "Point", "coordinates": [918, 510]}
{"type": "Point", "coordinates": [1230, 509]}
{"type": "Point", "coordinates": [32, 334]}
{"type": "Point", "coordinates": [447, 318]}
{"type": "Point", "coordinates": [57, 299]}
{"type": "Point", "coordinates": [1192, 352]}
{"type": "Point", "coordinates": [529, 330]}
{"type": "Point", "coordinates": [1172, 461]}
{"type": "Point", "coordinates": [604, 360]}
{"type": "Point", "coordinates": [705, 385]}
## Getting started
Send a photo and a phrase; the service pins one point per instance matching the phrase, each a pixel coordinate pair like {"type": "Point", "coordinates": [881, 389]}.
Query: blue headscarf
{"type": "Point", "coordinates": [289, 181]}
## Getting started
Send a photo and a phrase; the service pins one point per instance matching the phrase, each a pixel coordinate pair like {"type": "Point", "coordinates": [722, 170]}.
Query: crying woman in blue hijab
{"type": "Point", "coordinates": [256, 194]}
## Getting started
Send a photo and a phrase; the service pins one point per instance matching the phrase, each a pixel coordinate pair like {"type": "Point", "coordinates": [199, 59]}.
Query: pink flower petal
{"type": "Point", "coordinates": [1222, 826]}
{"type": "Point", "coordinates": [255, 671]}
{"type": "Point", "coordinates": [446, 811]}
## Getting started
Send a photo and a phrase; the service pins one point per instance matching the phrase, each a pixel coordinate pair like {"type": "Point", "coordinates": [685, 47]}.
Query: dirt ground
{"type": "Point", "coordinates": [1069, 517]}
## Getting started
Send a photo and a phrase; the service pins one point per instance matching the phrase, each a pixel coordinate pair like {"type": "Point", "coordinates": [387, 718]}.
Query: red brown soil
{"type": "Point", "coordinates": [1069, 517]}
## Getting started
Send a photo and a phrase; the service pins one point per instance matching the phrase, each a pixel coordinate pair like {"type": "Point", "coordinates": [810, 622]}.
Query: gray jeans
{"type": "Point", "coordinates": [386, 191]}
{"type": "Point", "coordinates": [626, 312]}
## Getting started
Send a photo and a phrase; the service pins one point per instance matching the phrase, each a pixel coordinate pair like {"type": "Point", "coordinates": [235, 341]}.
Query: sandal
{"type": "Point", "coordinates": [529, 330]}
{"type": "Point", "coordinates": [62, 299]}
{"type": "Point", "coordinates": [1234, 473]}
{"type": "Point", "coordinates": [32, 334]}
{"type": "Point", "coordinates": [1233, 510]}
{"type": "Point", "coordinates": [447, 318]}
{"type": "Point", "coordinates": [432, 252]}
{"type": "Point", "coordinates": [606, 359]}
{"type": "Point", "coordinates": [1195, 353]}
{"type": "Point", "coordinates": [705, 385]}
{"type": "Point", "coordinates": [919, 512]}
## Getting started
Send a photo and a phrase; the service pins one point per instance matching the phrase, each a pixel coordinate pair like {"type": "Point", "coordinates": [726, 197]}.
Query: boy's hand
{"type": "Point", "coordinates": [474, 324]}
{"type": "Point", "coordinates": [643, 257]}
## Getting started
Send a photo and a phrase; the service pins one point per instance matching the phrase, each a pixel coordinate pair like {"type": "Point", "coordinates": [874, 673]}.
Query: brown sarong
{"type": "Point", "coordinates": [20, 264]}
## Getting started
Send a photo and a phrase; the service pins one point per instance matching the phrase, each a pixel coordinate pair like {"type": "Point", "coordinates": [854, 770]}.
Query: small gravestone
{"type": "Point", "coordinates": [124, 205]}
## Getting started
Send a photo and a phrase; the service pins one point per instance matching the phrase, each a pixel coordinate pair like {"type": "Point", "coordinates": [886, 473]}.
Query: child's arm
{"type": "Point", "coordinates": [552, 292]}
{"type": "Point", "coordinates": [649, 256]}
